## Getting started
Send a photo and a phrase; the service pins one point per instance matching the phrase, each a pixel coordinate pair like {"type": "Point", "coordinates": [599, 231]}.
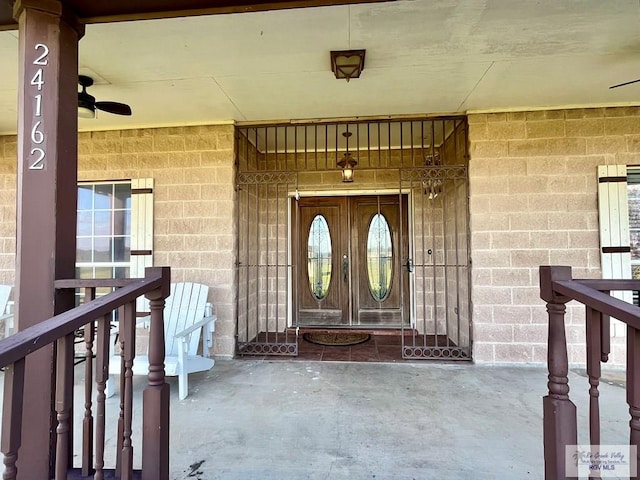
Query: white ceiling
{"type": "Point", "coordinates": [423, 56]}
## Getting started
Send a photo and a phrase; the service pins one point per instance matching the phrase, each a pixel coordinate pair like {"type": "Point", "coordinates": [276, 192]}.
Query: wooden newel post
{"type": "Point", "coordinates": [559, 412]}
{"type": "Point", "coordinates": [155, 415]}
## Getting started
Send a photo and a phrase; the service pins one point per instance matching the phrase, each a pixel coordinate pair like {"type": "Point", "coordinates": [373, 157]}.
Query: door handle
{"type": "Point", "coordinates": [409, 264]}
{"type": "Point", "coordinates": [345, 267]}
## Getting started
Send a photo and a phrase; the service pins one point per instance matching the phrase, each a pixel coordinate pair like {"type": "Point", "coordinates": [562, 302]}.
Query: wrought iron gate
{"type": "Point", "coordinates": [422, 160]}
{"type": "Point", "coordinates": [441, 316]}
{"type": "Point", "coordinates": [264, 264]}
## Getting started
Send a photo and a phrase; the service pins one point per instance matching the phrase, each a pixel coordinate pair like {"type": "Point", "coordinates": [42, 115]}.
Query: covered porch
{"type": "Point", "coordinates": [533, 192]}
{"type": "Point", "coordinates": [280, 418]}
{"type": "Point", "coordinates": [272, 420]}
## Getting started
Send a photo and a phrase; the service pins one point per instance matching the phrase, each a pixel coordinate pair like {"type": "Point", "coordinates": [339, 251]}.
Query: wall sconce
{"type": "Point", "coordinates": [347, 64]}
{"type": "Point", "coordinates": [433, 185]}
{"type": "Point", "coordinates": [432, 160]}
{"type": "Point", "coordinates": [347, 163]}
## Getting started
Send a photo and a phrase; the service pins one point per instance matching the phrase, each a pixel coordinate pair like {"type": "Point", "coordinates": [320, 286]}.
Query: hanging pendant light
{"type": "Point", "coordinates": [347, 163]}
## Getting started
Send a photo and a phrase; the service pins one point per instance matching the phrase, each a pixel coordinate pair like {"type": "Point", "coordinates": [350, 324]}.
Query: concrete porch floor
{"type": "Point", "coordinates": [290, 420]}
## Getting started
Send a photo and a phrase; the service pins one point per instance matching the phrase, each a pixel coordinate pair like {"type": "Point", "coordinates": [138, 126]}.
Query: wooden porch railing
{"type": "Point", "coordinates": [557, 287]}
{"type": "Point", "coordinates": [95, 317]}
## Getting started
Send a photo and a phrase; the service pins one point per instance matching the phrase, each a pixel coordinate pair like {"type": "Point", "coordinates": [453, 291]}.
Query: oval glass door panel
{"type": "Point", "coordinates": [319, 257]}
{"type": "Point", "coordinates": [379, 257]}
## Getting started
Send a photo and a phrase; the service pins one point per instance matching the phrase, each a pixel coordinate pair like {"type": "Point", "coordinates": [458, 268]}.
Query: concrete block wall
{"type": "Point", "coordinates": [533, 201]}
{"type": "Point", "coordinates": [8, 185]}
{"type": "Point", "coordinates": [194, 226]}
{"type": "Point", "coordinates": [194, 223]}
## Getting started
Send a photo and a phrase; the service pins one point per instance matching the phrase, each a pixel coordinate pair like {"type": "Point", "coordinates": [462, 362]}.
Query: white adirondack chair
{"type": "Point", "coordinates": [5, 314]}
{"type": "Point", "coordinates": [187, 315]}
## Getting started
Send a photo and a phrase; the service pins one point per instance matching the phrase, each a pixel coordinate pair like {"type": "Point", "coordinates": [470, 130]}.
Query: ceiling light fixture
{"type": "Point", "coordinates": [347, 163]}
{"type": "Point", "coordinates": [347, 64]}
{"type": "Point", "coordinates": [87, 104]}
{"type": "Point", "coordinates": [85, 111]}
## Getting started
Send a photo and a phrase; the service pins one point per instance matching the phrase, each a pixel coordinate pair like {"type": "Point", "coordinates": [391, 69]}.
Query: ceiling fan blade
{"type": "Point", "coordinates": [623, 84]}
{"type": "Point", "coordinates": [114, 107]}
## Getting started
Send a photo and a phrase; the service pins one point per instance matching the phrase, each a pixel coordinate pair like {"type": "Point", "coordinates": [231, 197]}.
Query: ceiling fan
{"type": "Point", "coordinates": [623, 84]}
{"type": "Point", "coordinates": [87, 104]}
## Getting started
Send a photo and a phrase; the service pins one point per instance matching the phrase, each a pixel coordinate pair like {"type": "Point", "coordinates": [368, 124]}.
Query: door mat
{"type": "Point", "coordinates": [339, 339]}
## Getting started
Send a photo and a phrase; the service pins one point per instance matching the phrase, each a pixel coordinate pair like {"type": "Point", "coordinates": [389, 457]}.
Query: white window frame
{"type": "Point", "coordinates": [125, 263]}
{"type": "Point", "coordinates": [141, 231]}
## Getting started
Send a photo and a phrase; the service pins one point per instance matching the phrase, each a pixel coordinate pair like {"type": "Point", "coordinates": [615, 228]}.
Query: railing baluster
{"type": "Point", "coordinates": [87, 422]}
{"type": "Point", "coordinates": [594, 372]}
{"type": "Point", "coordinates": [559, 412]}
{"type": "Point", "coordinates": [155, 426]}
{"type": "Point", "coordinates": [633, 386]}
{"type": "Point", "coordinates": [605, 340]}
{"type": "Point", "coordinates": [102, 375]}
{"type": "Point", "coordinates": [12, 417]}
{"type": "Point", "coordinates": [64, 403]}
{"type": "Point", "coordinates": [61, 330]}
{"type": "Point", "coordinates": [121, 338]}
{"type": "Point", "coordinates": [593, 330]}
{"type": "Point", "coordinates": [128, 355]}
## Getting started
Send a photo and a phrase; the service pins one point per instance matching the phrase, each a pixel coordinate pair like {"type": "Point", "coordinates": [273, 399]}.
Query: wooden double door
{"type": "Point", "coordinates": [352, 260]}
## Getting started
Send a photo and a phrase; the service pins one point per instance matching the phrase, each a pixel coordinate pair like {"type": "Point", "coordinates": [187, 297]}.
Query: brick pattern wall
{"type": "Point", "coordinates": [8, 185]}
{"type": "Point", "coordinates": [194, 226]}
{"type": "Point", "coordinates": [533, 201]}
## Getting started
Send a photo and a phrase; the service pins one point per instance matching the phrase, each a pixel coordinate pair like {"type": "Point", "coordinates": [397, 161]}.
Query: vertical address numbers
{"type": "Point", "coordinates": [38, 154]}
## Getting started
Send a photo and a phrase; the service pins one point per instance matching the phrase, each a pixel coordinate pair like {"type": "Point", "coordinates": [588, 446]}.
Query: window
{"type": "Point", "coordinates": [319, 257]}
{"type": "Point", "coordinates": [103, 230]}
{"type": "Point", "coordinates": [633, 198]}
{"type": "Point", "coordinates": [379, 257]}
{"type": "Point", "coordinates": [115, 230]}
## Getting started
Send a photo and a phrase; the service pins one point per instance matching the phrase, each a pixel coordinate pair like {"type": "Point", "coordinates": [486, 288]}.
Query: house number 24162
{"type": "Point", "coordinates": [38, 153]}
